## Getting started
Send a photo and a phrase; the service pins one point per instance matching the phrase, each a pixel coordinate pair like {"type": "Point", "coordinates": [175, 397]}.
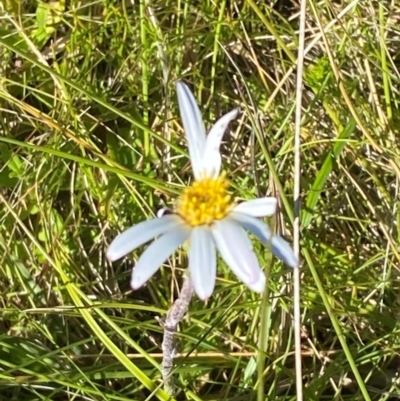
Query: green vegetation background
{"type": "Point", "coordinates": [91, 143]}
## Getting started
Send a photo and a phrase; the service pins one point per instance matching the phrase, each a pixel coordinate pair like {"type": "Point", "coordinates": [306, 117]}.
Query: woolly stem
{"type": "Point", "coordinates": [175, 314]}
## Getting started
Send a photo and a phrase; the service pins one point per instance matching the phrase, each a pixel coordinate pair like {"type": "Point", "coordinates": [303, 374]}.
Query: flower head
{"type": "Point", "coordinates": [205, 216]}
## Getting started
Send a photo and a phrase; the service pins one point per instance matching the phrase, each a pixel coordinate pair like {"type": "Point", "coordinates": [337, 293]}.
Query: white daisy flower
{"type": "Point", "coordinates": [205, 216]}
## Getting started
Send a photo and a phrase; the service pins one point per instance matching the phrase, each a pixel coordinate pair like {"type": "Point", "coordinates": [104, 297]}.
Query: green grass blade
{"type": "Point", "coordinates": [323, 174]}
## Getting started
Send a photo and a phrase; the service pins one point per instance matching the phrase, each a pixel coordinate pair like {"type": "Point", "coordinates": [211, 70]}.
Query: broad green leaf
{"type": "Point", "coordinates": [323, 174]}
{"type": "Point", "coordinates": [48, 16]}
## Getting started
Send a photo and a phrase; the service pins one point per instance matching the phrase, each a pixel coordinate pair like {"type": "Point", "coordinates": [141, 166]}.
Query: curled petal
{"type": "Point", "coordinates": [257, 207]}
{"type": "Point", "coordinates": [202, 261]}
{"type": "Point", "coordinates": [163, 212]}
{"type": "Point", "coordinates": [254, 225]}
{"type": "Point", "coordinates": [282, 250]}
{"type": "Point", "coordinates": [139, 234]}
{"type": "Point", "coordinates": [236, 249]}
{"type": "Point", "coordinates": [193, 125]}
{"type": "Point", "coordinates": [156, 254]}
{"type": "Point", "coordinates": [211, 160]}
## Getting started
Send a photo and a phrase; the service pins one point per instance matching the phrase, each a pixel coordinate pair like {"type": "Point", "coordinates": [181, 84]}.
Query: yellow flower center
{"type": "Point", "coordinates": [205, 201]}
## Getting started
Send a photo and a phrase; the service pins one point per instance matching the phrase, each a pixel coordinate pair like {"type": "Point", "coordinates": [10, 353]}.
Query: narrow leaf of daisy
{"type": "Point", "coordinates": [212, 155]}
{"type": "Point", "coordinates": [257, 207]}
{"type": "Point", "coordinates": [193, 125]}
{"type": "Point", "coordinates": [282, 250]}
{"type": "Point", "coordinates": [156, 254]}
{"type": "Point", "coordinates": [139, 234]}
{"type": "Point", "coordinates": [236, 249]}
{"type": "Point", "coordinates": [202, 261]}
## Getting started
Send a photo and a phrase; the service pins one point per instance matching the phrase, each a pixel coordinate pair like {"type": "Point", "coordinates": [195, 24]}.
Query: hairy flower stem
{"type": "Point", "coordinates": [174, 316]}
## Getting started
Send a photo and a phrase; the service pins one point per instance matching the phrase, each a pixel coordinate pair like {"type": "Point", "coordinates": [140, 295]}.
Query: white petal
{"type": "Point", "coordinates": [258, 207]}
{"type": "Point", "coordinates": [193, 125]}
{"type": "Point", "coordinates": [211, 161]}
{"type": "Point", "coordinates": [254, 225]}
{"type": "Point", "coordinates": [282, 250]}
{"type": "Point", "coordinates": [163, 212]}
{"type": "Point", "coordinates": [279, 247]}
{"type": "Point", "coordinates": [202, 261]}
{"type": "Point", "coordinates": [140, 233]}
{"type": "Point", "coordinates": [236, 250]}
{"type": "Point", "coordinates": [156, 254]}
